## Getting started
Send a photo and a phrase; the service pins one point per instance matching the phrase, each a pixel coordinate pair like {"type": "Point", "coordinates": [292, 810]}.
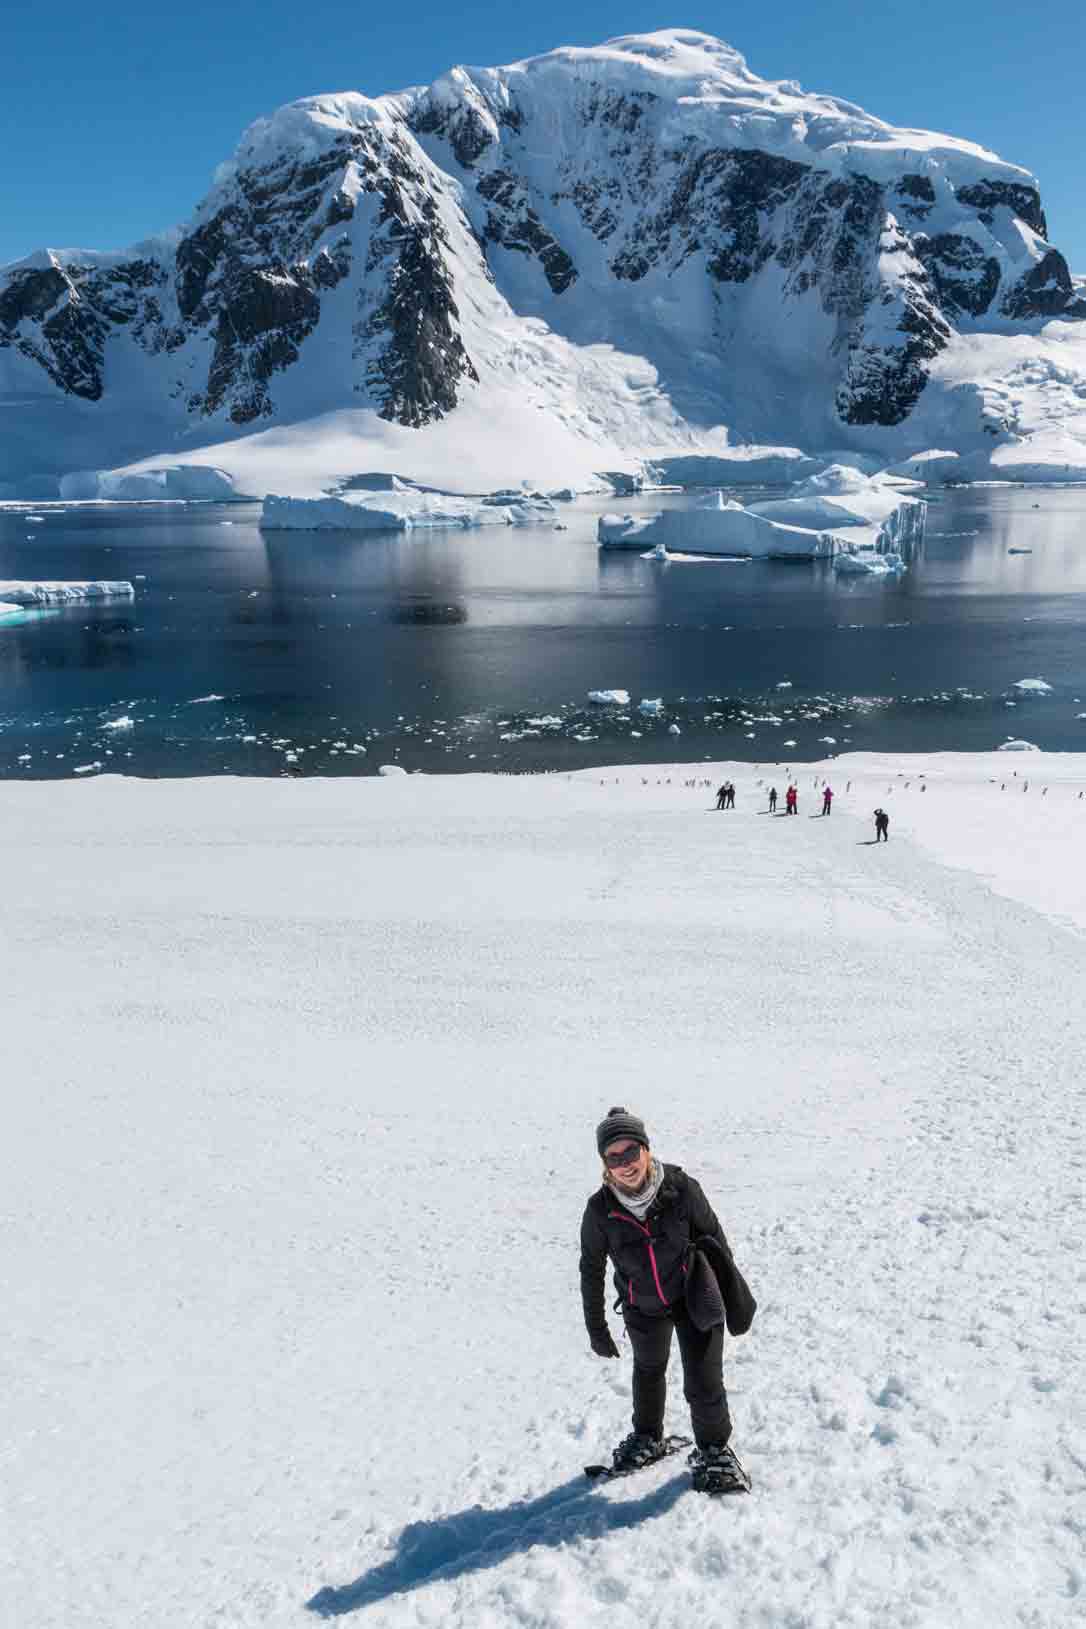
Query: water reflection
{"type": "Point", "coordinates": [444, 644]}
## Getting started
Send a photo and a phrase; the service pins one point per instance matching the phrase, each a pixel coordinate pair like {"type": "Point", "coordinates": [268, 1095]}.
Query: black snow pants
{"type": "Point", "coordinates": [702, 1354]}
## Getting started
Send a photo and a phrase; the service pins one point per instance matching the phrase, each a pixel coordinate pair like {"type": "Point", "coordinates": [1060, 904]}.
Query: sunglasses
{"type": "Point", "coordinates": [625, 1156]}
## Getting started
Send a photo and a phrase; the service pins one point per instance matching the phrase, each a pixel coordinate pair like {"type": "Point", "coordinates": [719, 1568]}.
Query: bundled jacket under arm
{"type": "Point", "coordinates": [649, 1258]}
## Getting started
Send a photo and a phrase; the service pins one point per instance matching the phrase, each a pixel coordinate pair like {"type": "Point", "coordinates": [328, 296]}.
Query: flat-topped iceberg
{"type": "Point", "coordinates": [402, 509]}
{"type": "Point", "coordinates": [713, 525]}
{"type": "Point", "coordinates": [20, 594]}
{"type": "Point", "coordinates": [837, 510]}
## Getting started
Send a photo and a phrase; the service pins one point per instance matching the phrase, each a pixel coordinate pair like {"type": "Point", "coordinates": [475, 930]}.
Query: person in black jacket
{"type": "Point", "coordinates": [646, 1218]}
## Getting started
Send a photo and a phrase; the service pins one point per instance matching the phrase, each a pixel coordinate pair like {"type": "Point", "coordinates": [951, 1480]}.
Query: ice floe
{"type": "Point", "coordinates": [401, 510]}
{"type": "Point", "coordinates": [610, 698]}
{"type": "Point", "coordinates": [19, 593]}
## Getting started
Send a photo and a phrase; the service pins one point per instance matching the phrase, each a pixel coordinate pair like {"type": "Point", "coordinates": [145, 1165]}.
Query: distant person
{"type": "Point", "coordinates": [827, 799]}
{"type": "Point", "coordinates": [730, 801]}
{"type": "Point", "coordinates": [882, 826]}
{"type": "Point", "coordinates": [772, 800]}
{"type": "Point", "coordinates": [791, 801]}
{"type": "Point", "coordinates": [722, 796]}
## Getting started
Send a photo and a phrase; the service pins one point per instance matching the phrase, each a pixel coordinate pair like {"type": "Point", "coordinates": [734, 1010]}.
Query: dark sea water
{"type": "Point", "coordinates": [461, 650]}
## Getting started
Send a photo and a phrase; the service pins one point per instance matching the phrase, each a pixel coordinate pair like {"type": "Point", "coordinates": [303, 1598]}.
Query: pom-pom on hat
{"type": "Point", "coordinates": [620, 1123]}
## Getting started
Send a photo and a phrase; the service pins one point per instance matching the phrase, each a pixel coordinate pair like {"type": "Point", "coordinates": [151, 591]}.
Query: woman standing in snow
{"type": "Point", "coordinates": [661, 1235]}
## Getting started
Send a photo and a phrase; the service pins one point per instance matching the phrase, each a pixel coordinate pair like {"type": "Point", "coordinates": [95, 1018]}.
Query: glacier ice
{"type": "Point", "coordinates": [188, 482]}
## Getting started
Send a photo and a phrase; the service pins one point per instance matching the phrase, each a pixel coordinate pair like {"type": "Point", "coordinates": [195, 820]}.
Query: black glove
{"type": "Point", "coordinates": [601, 1342]}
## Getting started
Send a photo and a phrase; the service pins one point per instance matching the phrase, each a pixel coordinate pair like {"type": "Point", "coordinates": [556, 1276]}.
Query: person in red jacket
{"type": "Point", "coordinates": [646, 1218]}
{"type": "Point", "coordinates": [827, 799]}
{"type": "Point", "coordinates": [791, 801]}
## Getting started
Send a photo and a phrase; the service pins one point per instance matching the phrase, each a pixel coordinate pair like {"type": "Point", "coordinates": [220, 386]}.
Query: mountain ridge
{"type": "Point", "coordinates": [770, 264]}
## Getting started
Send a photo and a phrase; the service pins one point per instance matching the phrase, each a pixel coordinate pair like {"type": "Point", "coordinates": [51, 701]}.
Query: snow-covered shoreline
{"type": "Point", "coordinates": [303, 1076]}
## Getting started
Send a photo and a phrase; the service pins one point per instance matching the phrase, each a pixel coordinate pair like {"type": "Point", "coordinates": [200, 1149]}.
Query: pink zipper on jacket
{"type": "Point", "coordinates": [618, 1215]}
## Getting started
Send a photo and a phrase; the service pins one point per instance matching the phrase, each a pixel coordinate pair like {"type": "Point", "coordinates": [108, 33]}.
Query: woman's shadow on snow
{"type": "Point", "coordinates": [472, 1540]}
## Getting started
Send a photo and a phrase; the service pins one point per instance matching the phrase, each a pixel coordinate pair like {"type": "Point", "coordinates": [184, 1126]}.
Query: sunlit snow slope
{"type": "Point", "coordinates": [300, 1087]}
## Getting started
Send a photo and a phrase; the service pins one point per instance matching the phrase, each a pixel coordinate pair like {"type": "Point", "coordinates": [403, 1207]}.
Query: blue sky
{"type": "Point", "coordinates": [112, 122]}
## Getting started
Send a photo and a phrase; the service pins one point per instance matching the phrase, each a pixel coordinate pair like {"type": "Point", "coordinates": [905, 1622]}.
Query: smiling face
{"type": "Point", "coordinates": [633, 1172]}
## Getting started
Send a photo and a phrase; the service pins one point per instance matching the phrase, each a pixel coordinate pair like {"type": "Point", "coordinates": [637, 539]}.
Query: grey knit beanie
{"type": "Point", "coordinates": [620, 1123]}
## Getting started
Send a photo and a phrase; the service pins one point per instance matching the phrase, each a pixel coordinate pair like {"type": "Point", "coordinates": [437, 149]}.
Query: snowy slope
{"type": "Point", "coordinates": [639, 247]}
{"type": "Point", "coordinates": [291, 1300]}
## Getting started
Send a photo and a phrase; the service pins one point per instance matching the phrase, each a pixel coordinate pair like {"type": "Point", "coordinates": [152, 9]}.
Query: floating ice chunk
{"type": "Point", "coordinates": [198, 701]}
{"type": "Point", "coordinates": [1038, 685]}
{"type": "Point", "coordinates": [713, 525]}
{"type": "Point", "coordinates": [86, 769]}
{"type": "Point", "coordinates": [784, 684]}
{"type": "Point", "coordinates": [673, 729]}
{"type": "Point", "coordinates": [610, 698]}
{"type": "Point", "coordinates": [391, 769]}
{"type": "Point", "coordinates": [788, 743]}
{"type": "Point", "coordinates": [530, 511]}
{"type": "Point", "coordinates": [1018, 746]}
{"type": "Point", "coordinates": [10, 610]}
{"type": "Point", "coordinates": [59, 593]}
{"type": "Point", "coordinates": [830, 740]}
{"type": "Point", "coordinates": [651, 707]}
{"type": "Point", "coordinates": [396, 511]}
{"type": "Point", "coordinates": [125, 723]}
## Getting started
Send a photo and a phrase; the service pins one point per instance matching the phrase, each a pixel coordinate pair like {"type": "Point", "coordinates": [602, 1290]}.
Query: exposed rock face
{"type": "Point", "coordinates": [512, 222]}
{"type": "Point", "coordinates": [358, 246]}
{"type": "Point", "coordinates": [1044, 291]}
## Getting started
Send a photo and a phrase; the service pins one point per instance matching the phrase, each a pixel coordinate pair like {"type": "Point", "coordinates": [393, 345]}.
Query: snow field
{"type": "Point", "coordinates": [302, 1086]}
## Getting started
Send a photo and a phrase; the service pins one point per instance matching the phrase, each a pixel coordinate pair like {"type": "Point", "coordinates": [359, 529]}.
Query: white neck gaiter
{"type": "Point", "coordinates": [638, 1203]}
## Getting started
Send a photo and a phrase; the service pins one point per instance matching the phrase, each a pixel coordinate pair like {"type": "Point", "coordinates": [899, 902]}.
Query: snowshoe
{"type": "Point", "coordinates": [635, 1453]}
{"type": "Point", "coordinates": [716, 1470]}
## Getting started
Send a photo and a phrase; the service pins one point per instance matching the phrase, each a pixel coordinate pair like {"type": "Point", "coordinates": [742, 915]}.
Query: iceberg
{"type": "Point", "coordinates": [1039, 686]}
{"type": "Point", "coordinates": [864, 560]}
{"type": "Point", "coordinates": [713, 525]}
{"type": "Point", "coordinates": [400, 510]}
{"type": "Point", "coordinates": [19, 594]}
{"type": "Point", "coordinates": [838, 510]}
{"type": "Point", "coordinates": [187, 482]}
{"type": "Point", "coordinates": [610, 698]}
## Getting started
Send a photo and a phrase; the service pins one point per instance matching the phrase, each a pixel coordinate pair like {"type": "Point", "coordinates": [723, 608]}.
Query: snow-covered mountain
{"type": "Point", "coordinates": [597, 252]}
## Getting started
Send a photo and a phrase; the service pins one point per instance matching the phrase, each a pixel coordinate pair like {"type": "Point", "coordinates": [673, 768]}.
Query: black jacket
{"type": "Point", "coordinates": [651, 1259]}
